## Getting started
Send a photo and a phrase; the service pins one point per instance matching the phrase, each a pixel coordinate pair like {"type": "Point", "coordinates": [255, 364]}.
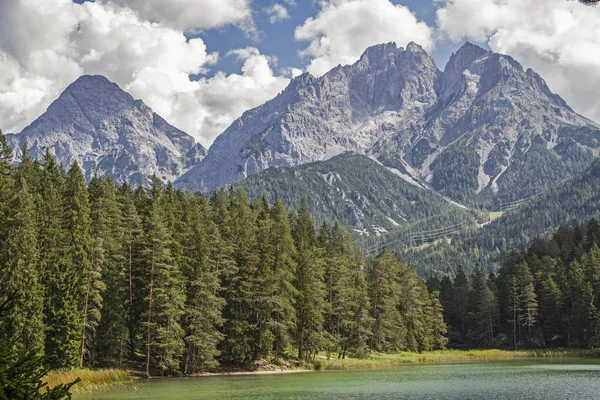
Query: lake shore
{"type": "Point", "coordinates": [382, 360]}
{"type": "Point", "coordinates": [97, 380]}
{"type": "Point", "coordinates": [91, 380]}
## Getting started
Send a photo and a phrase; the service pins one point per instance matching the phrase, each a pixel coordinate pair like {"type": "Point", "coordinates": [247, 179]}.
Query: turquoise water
{"type": "Point", "coordinates": [510, 380]}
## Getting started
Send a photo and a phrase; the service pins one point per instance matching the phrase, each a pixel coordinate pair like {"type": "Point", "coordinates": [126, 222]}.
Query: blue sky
{"type": "Point", "coordinates": [278, 39]}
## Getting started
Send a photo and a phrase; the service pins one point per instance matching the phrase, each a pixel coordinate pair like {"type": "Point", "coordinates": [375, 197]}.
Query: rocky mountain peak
{"type": "Point", "coordinates": [109, 133]}
{"type": "Point", "coordinates": [484, 112]}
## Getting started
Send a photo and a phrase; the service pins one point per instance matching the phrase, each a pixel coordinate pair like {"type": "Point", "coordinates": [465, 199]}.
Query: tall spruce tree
{"type": "Point", "coordinates": [283, 316]}
{"type": "Point", "coordinates": [309, 285]}
{"type": "Point", "coordinates": [6, 184]}
{"type": "Point", "coordinates": [85, 257]}
{"type": "Point", "coordinates": [21, 274]}
{"type": "Point", "coordinates": [108, 229]}
{"type": "Point", "coordinates": [132, 243]}
{"type": "Point", "coordinates": [166, 296]}
{"type": "Point", "coordinates": [389, 330]}
{"type": "Point", "coordinates": [239, 288]}
{"type": "Point", "coordinates": [203, 311]}
{"type": "Point", "coordinates": [483, 315]}
{"type": "Point", "coordinates": [61, 278]}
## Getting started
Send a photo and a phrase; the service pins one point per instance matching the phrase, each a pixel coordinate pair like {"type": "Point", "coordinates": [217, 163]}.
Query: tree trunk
{"type": "Point", "coordinates": [85, 308]}
{"type": "Point", "coordinates": [149, 331]}
{"type": "Point", "coordinates": [131, 324]}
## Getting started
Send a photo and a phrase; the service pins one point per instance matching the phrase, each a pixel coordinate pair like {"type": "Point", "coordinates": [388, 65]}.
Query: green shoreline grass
{"type": "Point", "coordinates": [380, 360]}
{"type": "Point", "coordinates": [96, 380]}
{"type": "Point", "coordinates": [91, 380]}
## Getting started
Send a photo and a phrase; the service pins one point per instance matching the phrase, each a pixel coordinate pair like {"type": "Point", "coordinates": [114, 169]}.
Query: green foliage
{"type": "Point", "coordinates": [309, 285]}
{"type": "Point", "coordinates": [455, 172]}
{"type": "Point", "coordinates": [21, 370]}
{"type": "Point", "coordinates": [545, 296]}
{"type": "Point", "coordinates": [352, 190]}
{"type": "Point", "coordinates": [170, 282]}
{"type": "Point", "coordinates": [166, 296]}
{"type": "Point", "coordinates": [574, 199]}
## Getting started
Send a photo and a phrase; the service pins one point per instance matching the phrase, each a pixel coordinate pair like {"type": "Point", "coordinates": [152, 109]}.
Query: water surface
{"type": "Point", "coordinates": [524, 379]}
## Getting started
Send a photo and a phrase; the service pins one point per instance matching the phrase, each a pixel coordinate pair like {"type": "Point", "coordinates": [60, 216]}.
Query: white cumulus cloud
{"type": "Point", "coordinates": [559, 39]}
{"type": "Point", "coordinates": [46, 45]}
{"type": "Point", "coordinates": [192, 14]}
{"type": "Point", "coordinates": [277, 12]}
{"type": "Point", "coordinates": [343, 29]}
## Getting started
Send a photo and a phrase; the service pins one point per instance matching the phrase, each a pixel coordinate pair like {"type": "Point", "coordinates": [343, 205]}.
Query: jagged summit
{"type": "Point", "coordinates": [316, 118]}
{"type": "Point", "coordinates": [395, 105]}
{"type": "Point", "coordinates": [109, 133]}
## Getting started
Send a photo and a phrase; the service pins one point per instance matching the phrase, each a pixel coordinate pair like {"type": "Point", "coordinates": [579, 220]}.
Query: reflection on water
{"type": "Point", "coordinates": [503, 380]}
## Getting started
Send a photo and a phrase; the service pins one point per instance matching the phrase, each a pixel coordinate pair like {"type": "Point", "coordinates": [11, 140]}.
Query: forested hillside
{"type": "Point", "coordinates": [355, 190]}
{"type": "Point", "coordinates": [545, 296]}
{"type": "Point", "coordinates": [172, 282]}
{"type": "Point", "coordinates": [574, 199]}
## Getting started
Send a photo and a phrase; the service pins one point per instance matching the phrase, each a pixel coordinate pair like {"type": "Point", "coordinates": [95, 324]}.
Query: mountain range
{"type": "Point", "coordinates": [390, 145]}
{"type": "Point", "coordinates": [470, 132]}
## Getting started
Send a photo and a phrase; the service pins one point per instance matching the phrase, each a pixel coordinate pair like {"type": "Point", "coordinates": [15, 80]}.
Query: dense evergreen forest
{"type": "Point", "coordinates": [173, 282]}
{"type": "Point", "coordinates": [574, 199]}
{"type": "Point", "coordinates": [545, 296]}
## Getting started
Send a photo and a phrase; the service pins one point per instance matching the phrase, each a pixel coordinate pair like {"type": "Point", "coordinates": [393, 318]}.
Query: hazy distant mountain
{"type": "Point", "coordinates": [109, 133]}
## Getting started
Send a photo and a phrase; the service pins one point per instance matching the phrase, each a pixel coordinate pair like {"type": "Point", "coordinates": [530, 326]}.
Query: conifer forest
{"type": "Point", "coordinates": [172, 282]}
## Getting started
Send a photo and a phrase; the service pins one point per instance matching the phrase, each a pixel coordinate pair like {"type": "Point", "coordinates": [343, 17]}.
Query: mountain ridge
{"type": "Point", "coordinates": [395, 105]}
{"type": "Point", "coordinates": [109, 132]}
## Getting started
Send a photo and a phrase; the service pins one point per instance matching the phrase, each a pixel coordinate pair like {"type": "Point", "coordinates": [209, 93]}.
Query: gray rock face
{"type": "Point", "coordinates": [315, 119]}
{"type": "Point", "coordinates": [395, 105]}
{"type": "Point", "coordinates": [110, 133]}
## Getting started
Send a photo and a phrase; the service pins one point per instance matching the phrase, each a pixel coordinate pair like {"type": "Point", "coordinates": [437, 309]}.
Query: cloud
{"type": "Point", "coordinates": [277, 13]}
{"type": "Point", "coordinates": [192, 15]}
{"type": "Point", "coordinates": [558, 39]}
{"type": "Point", "coordinates": [44, 46]}
{"type": "Point", "coordinates": [210, 105]}
{"type": "Point", "coordinates": [343, 29]}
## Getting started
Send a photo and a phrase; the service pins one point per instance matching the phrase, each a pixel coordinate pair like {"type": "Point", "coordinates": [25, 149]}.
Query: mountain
{"type": "Point", "coordinates": [108, 132]}
{"type": "Point", "coordinates": [482, 130]}
{"type": "Point", "coordinates": [576, 199]}
{"type": "Point", "coordinates": [356, 190]}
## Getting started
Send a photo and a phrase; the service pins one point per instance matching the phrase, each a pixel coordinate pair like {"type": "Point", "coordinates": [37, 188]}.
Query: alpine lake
{"type": "Point", "coordinates": [535, 379]}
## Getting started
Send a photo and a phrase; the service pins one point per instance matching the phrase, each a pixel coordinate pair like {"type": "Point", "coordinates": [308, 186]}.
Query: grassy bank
{"type": "Point", "coordinates": [91, 380]}
{"type": "Point", "coordinates": [379, 360]}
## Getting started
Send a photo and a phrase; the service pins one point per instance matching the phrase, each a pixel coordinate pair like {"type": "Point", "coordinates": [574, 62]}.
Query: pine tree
{"type": "Point", "coordinates": [6, 184]}
{"type": "Point", "coordinates": [108, 229]}
{"type": "Point", "coordinates": [309, 286]}
{"type": "Point", "coordinates": [132, 242]}
{"type": "Point", "coordinates": [22, 275]}
{"type": "Point", "coordinates": [459, 307]}
{"type": "Point", "coordinates": [389, 330]}
{"type": "Point", "coordinates": [62, 311]}
{"type": "Point", "coordinates": [240, 328]}
{"type": "Point", "coordinates": [166, 297]}
{"type": "Point", "coordinates": [85, 257]}
{"type": "Point", "coordinates": [355, 326]}
{"type": "Point", "coordinates": [22, 369]}
{"type": "Point", "coordinates": [438, 328]}
{"type": "Point", "coordinates": [283, 316]}
{"type": "Point", "coordinates": [550, 310]}
{"type": "Point", "coordinates": [338, 248]}
{"type": "Point", "coordinates": [264, 282]}
{"type": "Point", "coordinates": [484, 314]}
{"type": "Point", "coordinates": [203, 311]}
{"type": "Point", "coordinates": [415, 307]}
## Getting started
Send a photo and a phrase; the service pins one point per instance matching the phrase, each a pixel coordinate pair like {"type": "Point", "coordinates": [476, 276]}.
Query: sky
{"type": "Point", "coordinates": [201, 63]}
